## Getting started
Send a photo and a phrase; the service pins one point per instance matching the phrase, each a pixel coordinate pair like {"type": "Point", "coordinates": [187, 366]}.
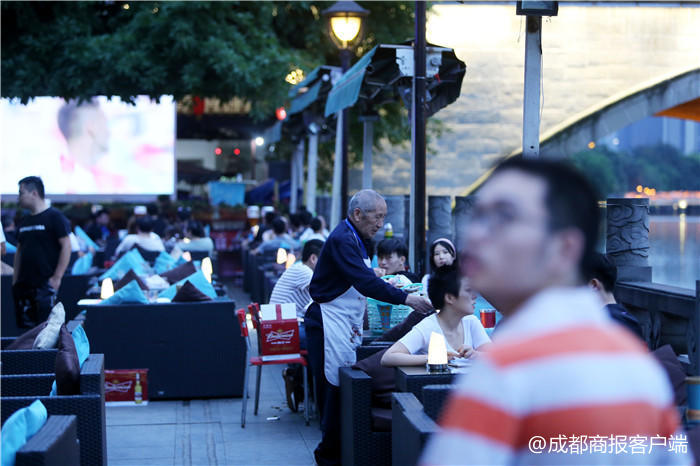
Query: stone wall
{"type": "Point", "coordinates": [590, 53]}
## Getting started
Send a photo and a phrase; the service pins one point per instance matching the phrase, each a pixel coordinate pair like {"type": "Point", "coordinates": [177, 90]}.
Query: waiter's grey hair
{"type": "Point", "coordinates": [366, 200]}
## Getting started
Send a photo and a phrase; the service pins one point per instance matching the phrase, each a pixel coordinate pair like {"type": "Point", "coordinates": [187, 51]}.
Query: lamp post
{"type": "Point", "coordinates": [345, 25]}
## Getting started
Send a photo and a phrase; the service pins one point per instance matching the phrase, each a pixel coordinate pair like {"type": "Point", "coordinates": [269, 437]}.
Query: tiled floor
{"type": "Point", "coordinates": [208, 432]}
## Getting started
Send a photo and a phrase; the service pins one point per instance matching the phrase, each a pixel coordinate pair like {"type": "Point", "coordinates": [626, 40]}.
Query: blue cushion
{"type": "Point", "coordinates": [10, 248]}
{"type": "Point", "coordinates": [80, 233]}
{"type": "Point", "coordinates": [129, 293]}
{"type": "Point", "coordinates": [82, 265]}
{"type": "Point", "coordinates": [82, 345]}
{"type": "Point", "coordinates": [19, 428]}
{"type": "Point", "coordinates": [130, 260]}
{"type": "Point", "coordinates": [197, 279]}
{"type": "Point", "coordinates": [164, 262]}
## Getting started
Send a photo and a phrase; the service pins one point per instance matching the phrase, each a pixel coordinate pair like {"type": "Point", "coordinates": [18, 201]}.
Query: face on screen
{"type": "Point", "coordinates": [101, 146]}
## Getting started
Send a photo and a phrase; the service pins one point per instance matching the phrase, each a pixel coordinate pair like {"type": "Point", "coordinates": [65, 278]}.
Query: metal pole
{"type": "Point", "coordinates": [417, 202]}
{"type": "Point", "coordinates": [367, 142]}
{"type": "Point", "coordinates": [336, 210]}
{"type": "Point", "coordinates": [311, 177]}
{"type": "Point", "coordinates": [531, 100]}
{"type": "Point", "coordinates": [295, 176]}
{"type": "Point", "coordinates": [345, 55]}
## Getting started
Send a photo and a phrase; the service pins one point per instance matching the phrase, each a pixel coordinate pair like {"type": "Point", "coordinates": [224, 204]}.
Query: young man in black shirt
{"type": "Point", "coordinates": [43, 253]}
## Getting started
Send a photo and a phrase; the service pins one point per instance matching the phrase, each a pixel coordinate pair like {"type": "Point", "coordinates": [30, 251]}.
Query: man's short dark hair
{"type": "Point", "coordinates": [144, 224]}
{"type": "Point", "coordinates": [316, 224]}
{"type": "Point", "coordinates": [441, 282]}
{"type": "Point", "coordinates": [604, 270]}
{"type": "Point", "coordinates": [33, 183]}
{"type": "Point", "coordinates": [270, 216]}
{"type": "Point", "coordinates": [279, 226]}
{"type": "Point", "coordinates": [313, 246]}
{"type": "Point", "coordinates": [388, 246]}
{"type": "Point", "coordinates": [570, 200]}
{"type": "Point", "coordinates": [152, 209]}
{"type": "Point", "coordinates": [196, 228]}
{"type": "Point", "coordinates": [305, 217]}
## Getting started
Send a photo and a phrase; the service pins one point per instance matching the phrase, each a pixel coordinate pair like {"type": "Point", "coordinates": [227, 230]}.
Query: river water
{"type": "Point", "coordinates": [674, 253]}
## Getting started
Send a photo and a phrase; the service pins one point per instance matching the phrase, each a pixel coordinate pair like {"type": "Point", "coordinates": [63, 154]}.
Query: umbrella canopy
{"type": "Point", "coordinates": [385, 74]}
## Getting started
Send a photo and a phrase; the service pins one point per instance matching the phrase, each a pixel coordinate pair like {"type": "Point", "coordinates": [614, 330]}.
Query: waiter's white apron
{"type": "Point", "coordinates": [342, 330]}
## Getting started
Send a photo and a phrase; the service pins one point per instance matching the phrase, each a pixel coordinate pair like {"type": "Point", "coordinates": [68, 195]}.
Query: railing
{"type": "Point", "coordinates": [668, 315]}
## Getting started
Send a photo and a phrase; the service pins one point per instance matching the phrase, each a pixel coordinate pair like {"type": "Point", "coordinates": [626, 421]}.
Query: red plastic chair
{"type": "Point", "coordinates": [258, 361]}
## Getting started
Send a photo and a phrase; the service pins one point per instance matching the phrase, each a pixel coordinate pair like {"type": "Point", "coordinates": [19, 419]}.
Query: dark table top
{"type": "Point", "coordinates": [413, 378]}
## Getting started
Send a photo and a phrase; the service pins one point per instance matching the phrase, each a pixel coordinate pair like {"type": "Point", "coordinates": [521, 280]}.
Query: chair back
{"type": "Point", "coordinates": [241, 315]}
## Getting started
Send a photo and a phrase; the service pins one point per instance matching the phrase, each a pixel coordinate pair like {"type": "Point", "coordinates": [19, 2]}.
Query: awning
{"type": "Point", "coordinates": [346, 91]}
{"type": "Point", "coordinates": [385, 74]}
{"type": "Point", "coordinates": [302, 101]}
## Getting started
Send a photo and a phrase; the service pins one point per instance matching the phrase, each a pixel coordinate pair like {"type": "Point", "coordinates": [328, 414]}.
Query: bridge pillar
{"type": "Point", "coordinates": [627, 242]}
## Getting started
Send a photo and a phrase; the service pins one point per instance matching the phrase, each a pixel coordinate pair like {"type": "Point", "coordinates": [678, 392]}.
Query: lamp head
{"type": "Point", "coordinates": [345, 21]}
{"type": "Point", "coordinates": [107, 289]}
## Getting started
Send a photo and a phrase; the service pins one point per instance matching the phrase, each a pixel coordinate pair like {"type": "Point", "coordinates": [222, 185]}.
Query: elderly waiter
{"type": "Point", "coordinates": [342, 280]}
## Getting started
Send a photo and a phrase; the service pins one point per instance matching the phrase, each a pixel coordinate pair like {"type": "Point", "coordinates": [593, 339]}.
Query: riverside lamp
{"type": "Point", "coordinates": [345, 27]}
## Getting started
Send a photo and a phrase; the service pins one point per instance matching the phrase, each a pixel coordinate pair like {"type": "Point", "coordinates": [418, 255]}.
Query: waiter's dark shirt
{"type": "Point", "coordinates": [341, 265]}
{"type": "Point", "coordinates": [38, 237]}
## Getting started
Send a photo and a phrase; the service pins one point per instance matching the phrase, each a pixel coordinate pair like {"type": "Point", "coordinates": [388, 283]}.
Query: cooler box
{"type": "Point", "coordinates": [279, 331]}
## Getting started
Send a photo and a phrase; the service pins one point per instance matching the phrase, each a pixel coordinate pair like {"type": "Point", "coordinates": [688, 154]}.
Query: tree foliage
{"type": "Point", "coordinates": [661, 167]}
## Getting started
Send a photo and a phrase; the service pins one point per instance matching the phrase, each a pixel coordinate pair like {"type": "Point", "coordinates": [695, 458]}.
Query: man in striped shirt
{"type": "Point", "coordinates": [562, 384]}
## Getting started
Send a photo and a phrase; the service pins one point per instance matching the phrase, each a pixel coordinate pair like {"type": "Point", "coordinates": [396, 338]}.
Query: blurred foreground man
{"type": "Point", "coordinates": [562, 384]}
{"type": "Point", "coordinates": [43, 253]}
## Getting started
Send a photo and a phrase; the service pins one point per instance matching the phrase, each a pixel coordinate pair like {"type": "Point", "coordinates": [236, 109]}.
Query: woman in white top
{"type": "Point", "coordinates": [463, 332]}
{"type": "Point", "coordinates": [144, 238]}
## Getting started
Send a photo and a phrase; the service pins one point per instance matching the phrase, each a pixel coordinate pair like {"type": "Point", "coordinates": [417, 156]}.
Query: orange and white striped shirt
{"type": "Point", "coordinates": [562, 384]}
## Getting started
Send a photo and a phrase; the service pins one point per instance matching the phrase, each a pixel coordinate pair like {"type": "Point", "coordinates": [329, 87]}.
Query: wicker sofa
{"type": "Point", "coordinates": [191, 350]}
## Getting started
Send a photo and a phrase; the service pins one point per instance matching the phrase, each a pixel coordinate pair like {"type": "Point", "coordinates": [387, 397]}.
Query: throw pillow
{"type": "Point", "coordinates": [67, 365]}
{"type": "Point", "coordinates": [130, 293]}
{"type": "Point", "coordinates": [189, 293]}
{"type": "Point", "coordinates": [82, 345]}
{"type": "Point", "coordinates": [19, 428]}
{"type": "Point", "coordinates": [48, 337]}
{"type": "Point", "coordinates": [179, 272]}
{"type": "Point", "coordinates": [26, 340]}
{"type": "Point", "coordinates": [667, 357]}
{"type": "Point", "coordinates": [130, 275]}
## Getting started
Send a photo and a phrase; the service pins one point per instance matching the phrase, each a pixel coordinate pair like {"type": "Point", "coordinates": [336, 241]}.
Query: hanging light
{"type": "Point", "coordinates": [437, 353]}
{"type": "Point", "coordinates": [281, 256]}
{"type": "Point", "coordinates": [107, 289]}
{"type": "Point", "coordinates": [207, 268]}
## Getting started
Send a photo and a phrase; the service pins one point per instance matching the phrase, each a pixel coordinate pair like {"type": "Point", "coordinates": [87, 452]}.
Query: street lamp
{"type": "Point", "coordinates": [345, 27]}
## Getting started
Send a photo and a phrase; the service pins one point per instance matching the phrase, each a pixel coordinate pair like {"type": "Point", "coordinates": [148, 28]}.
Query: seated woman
{"type": "Point", "coordinates": [464, 334]}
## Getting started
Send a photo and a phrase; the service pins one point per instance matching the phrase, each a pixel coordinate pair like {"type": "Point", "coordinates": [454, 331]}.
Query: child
{"type": "Point", "coordinates": [464, 334]}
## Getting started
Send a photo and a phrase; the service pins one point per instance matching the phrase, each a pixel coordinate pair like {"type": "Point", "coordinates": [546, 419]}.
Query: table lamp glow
{"type": "Point", "coordinates": [207, 268]}
{"type": "Point", "coordinates": [281, 256]}
{"type": "Point", "coordinates": [187, 256]}
{"type": "Point", "coordinates": [437, 353]}
{"type": "Point", "coordinates": [107, 289]}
